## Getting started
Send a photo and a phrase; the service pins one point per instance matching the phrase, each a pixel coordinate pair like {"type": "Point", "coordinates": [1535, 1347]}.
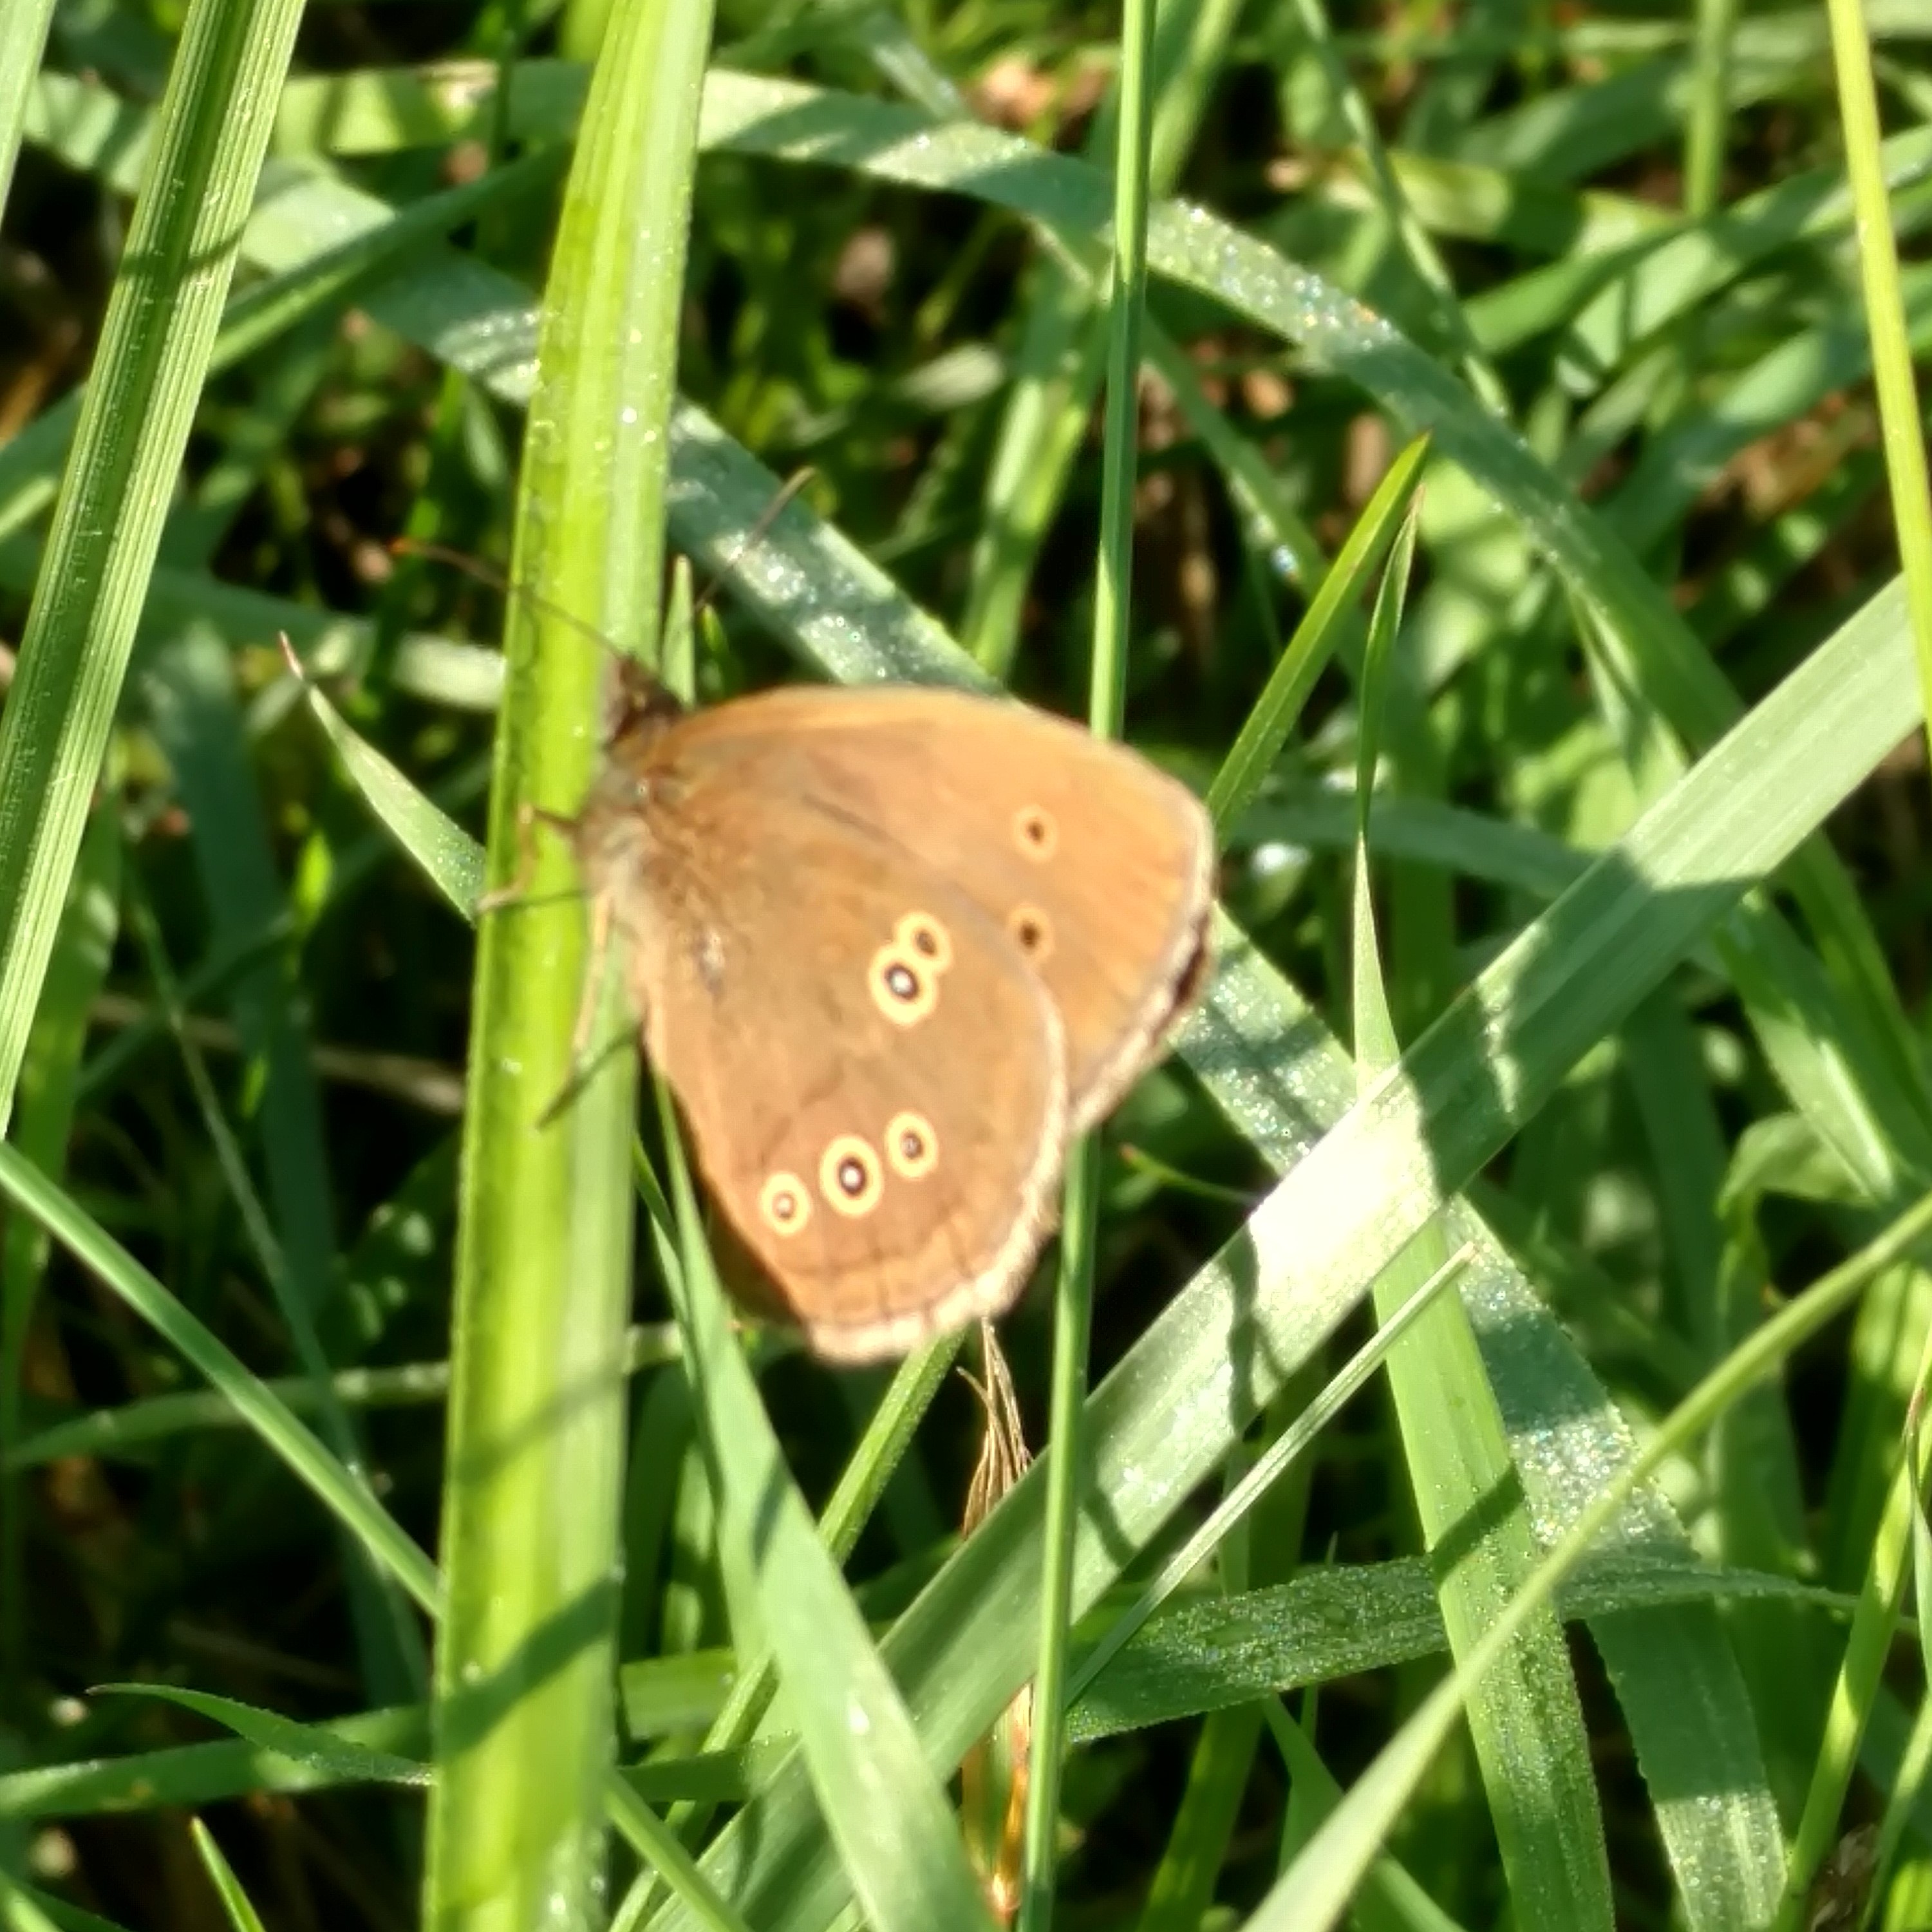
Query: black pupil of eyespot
{"type": "Point", "coordinates": [910, 1145]}
{"type": "Point", "coordinates": [782, 1206]}
{"type": "Point", "coordinates": [925, 941]}
{"type": "Point", "coordinates": [903, 983]}
{"type": "Point", "coordinates": [851, 1177]}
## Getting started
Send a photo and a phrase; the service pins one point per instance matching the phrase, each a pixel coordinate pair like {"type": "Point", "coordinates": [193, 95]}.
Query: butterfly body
{"type": "Point", "coordinates": [891, 947]}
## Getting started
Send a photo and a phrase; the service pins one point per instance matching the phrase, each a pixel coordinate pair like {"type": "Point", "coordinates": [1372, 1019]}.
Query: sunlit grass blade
{"type": "Point", "coordinates": [900, 1844]}
{"type": "Point", "coordinates": [242, 1915]}
{"type": "Point", "coordinates": [212, 126]}
{"type": "Point", "coordinates": [1525, 1717]}
{"type": "Point", "coordinates": [524, 1665]}
{"type": "Point", "coordinates": [1265, 729]}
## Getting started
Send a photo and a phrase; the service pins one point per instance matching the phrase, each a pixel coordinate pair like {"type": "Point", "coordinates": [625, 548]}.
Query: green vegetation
{"type": "Point", "coordinates": [1532, 565]}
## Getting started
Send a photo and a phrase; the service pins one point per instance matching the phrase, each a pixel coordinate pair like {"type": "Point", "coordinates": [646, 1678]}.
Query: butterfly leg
{"type": "Point", "coordinates": [529, 817]}
{"type": "Point", "coordinates": [593, 975]}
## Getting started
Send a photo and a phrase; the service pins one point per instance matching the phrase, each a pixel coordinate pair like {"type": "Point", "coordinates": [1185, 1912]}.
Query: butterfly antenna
{"type": "Point", "coordinates": [752, 538]}
{"type": "Point", "coordinates": [486, 574]}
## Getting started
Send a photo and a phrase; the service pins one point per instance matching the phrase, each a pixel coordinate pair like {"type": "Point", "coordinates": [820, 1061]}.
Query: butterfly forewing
{"type": "Point", "coordinates": [1097, 867]}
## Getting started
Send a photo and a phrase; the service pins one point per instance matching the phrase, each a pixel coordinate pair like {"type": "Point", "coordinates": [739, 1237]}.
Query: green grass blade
{"type": "Point", "coordinates": [1266, 728]}
{"type": "Point", "coordinates": [235, 1900]}
{"type": "Point", "coordinates": [23, 39]}
{"type": "Point", "coordinates": [1892, 355]}
{"type": "Point", "coordinates": [1525, 1716]}
{"type": "Point", "coordinates": [1073, 1302]}
{"type": "Point", "coordinates": [212, 128]}
{"type": "Point", "coordinates": [524, 1667]}
{"type": "Point", "coordinates": [899, 1843]}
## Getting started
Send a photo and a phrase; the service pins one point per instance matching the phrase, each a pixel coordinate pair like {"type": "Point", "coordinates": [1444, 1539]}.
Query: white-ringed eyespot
{"type": "Point", "coordinates": [1035, 832]}
{"type": "Point", "coordinates": [919, 934]}
{"type": "Point", "coordinates": [903, 987]}
{"type": "Point", "coordinates": [849, 1175]}
{"type": "Point", "coordinates": [1032, 932]}
{"type": "Point", "coordinates": [784, 1204]}
{"type": "Point", "coordinates": [911, 1146]}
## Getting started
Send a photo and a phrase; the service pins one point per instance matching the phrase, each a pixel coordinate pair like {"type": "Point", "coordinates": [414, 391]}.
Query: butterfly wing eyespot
{"type": "Point", "coordinates": [1032, 932]}
{"type": "Point", "coordinates": [849, 1175]}
{"type": "Point", "coordinates": [911, 1146]}
{"type": "Point", "coordinates": [921, 933]}
{"type": "Point", "coordinates": [784, 1204]}
{"type": "Point", "coordinates": [903, 987]}
{"type": "Point", "coordinates": [1035, 831]}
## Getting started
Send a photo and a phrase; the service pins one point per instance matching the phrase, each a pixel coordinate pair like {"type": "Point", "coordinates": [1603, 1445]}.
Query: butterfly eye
{"type": "Point", "coordinates": [902, 989]}
{"type": "Point", "coordinates": [1035, 832]}
{"type": "Point", "coordinates": [911, 1146]}
{"type": "Point", "coordinates": [784, 1204]}
{"type": "Point", "coordinates": [849, 1176]}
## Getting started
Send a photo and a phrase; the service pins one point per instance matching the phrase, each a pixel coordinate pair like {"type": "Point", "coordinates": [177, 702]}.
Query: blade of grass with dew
{"type": "Point", "coordinates": [543, 1278]}
{"type": "Point", "coordinates": [211, 128]}
{"type": "Point", "coordinates": [1314, 1894]}
{"type": "Point", "coordinates": [1524, 1717]}
{"type": "Point", "coordinates": [341, 1760]}
{"type": "Point", "coordinates": [1233, 1508]}
{"type": "Point", "coordinates": [1172, 1410]}
{"type": "Point", "coordinates": [1206, 1653]}
{"type": "Point", "coordinates": [885, 1810]}
{"type": "Point", "coordinates": [1073, 1298]}
{"type": "Point", "coordinates": [208, 1774]}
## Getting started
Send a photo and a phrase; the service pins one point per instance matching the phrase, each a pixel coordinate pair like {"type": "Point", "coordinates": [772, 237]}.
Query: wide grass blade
{"type": "Point", "coordinates": [536, 1423]}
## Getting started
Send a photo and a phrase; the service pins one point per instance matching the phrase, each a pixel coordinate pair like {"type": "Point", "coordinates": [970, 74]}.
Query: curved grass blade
{"type": "Point", "coordinates": [1525, 1717]}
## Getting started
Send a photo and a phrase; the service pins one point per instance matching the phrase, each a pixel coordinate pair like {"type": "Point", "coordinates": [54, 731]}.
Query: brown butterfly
{"type": "Point", "coordinates": [891, 947]}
